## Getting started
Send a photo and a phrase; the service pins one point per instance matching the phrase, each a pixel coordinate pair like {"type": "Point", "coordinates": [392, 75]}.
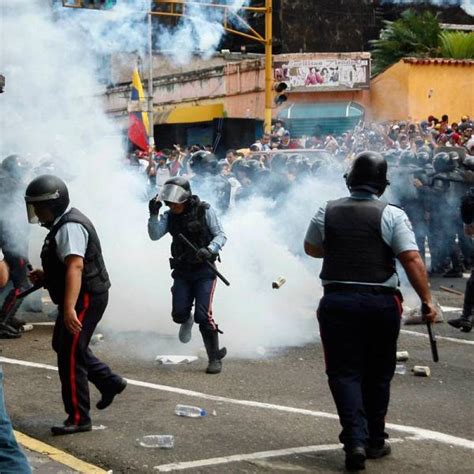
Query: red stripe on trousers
{"type": "Point", "coordinates": [209, 311]}
{"type": "Point", "coordinates": [72, 366]}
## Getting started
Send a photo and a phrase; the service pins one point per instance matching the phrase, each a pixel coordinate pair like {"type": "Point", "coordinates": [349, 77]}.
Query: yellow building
{"type": "Point", "coordinates": [415, 88]}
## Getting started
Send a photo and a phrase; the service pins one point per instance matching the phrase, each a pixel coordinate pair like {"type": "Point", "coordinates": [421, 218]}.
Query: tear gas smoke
{"type": "Point", "coordinates": [52, 105]}
{"type": "Point", "coordinates": [466, 5]}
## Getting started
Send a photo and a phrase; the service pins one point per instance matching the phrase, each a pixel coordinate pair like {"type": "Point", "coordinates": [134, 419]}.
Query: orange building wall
{"type": "Point", "coordinates": [389, 94]}
{"type": "Point", "coordinates": [413, 91]}
{"type": "Point", "coordinates": [437, 89]}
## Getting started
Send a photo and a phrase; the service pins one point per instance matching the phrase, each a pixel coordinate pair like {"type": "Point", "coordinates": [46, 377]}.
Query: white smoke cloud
{"type": "Point", "coordinates": [52, 105]}
{"type": "Point", "coordinates": [466, 5]}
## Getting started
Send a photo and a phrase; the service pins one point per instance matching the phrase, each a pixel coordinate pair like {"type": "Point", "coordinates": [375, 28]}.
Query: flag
{"type": "Point", "coordinates": [138, 125]}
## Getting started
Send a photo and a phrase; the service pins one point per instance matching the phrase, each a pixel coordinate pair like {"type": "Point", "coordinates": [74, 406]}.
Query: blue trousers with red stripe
{"type": "Point", "coordinates": [359, 333]}
{"type": "Point", "coordinates": [77, 364]}
{"type": "Point", "coordinates": [194, 286]}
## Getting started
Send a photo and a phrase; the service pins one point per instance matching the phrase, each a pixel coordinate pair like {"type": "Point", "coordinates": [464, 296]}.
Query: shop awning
{"type": "Point", "coordinates": [190, 114]}
{"type": "Point", "coordinates": [321, 117]}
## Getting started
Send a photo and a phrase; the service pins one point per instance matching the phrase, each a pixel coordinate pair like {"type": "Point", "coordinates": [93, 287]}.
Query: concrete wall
{"type": "Point", "coordinates": [413, 90]}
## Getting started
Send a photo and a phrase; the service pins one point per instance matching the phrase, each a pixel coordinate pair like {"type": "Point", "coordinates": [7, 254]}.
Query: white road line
{"type": "Point", "coordinates": [440, 338]}
{"type": "Point", "coordinates": [180, 466]}
{"type": "Point", "coordinates": [412, 430]}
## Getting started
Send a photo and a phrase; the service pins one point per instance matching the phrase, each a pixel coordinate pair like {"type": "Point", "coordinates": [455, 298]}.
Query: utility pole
{"type": "Point", "coordinates": [151, 124]}
{"type": "Point", "coordinates": [268, 65]}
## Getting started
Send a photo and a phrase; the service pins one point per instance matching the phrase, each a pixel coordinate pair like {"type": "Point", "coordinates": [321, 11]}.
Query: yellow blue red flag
{"type": "Point", "coordinates": [138, 125]}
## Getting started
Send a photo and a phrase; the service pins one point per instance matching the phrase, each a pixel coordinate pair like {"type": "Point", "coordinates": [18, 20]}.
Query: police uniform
{"type": "Point", "coordinates": [72, 233]}
{"type": "Point", "coordinates": [193, 281]}
{"type": "Point", "coordinates": [359, 314]}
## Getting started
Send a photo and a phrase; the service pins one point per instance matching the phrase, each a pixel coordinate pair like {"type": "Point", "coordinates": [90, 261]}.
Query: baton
{"type": "Point", "coordinates": [209, 264]}
{"type": "Point", "coordinates": [431, 335]}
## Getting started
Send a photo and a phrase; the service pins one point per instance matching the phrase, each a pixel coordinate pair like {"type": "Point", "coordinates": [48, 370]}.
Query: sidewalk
{"type": "Point", "coordinates": [46, 459]}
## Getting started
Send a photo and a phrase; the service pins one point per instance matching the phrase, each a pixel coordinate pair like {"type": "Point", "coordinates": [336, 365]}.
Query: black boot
{"type": "Point", "coordinates": [214, 354]}
{"type": "Point", "coordinates": [464, 323]}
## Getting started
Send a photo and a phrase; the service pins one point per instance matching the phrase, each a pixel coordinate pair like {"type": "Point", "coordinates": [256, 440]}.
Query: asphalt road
{"type": "Point", "coordinates": [271, 414]}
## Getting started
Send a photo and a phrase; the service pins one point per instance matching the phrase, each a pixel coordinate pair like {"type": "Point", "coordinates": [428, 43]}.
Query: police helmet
{"type": "Point", "coordinates": [204, 162]}
{"type": "Point", "coordinates": [14, 166]}
{"type": "Point", "coordinates": [176, 190]}
{"type": "Point", "coordinates": [443, 163]}
{"type": "Point", "coordinates": [468, 162]}
{"type": "Point", "coordinates": [49, 191]}
{"type": "Point", "coordinates": [368, 173]}
{"type": "Point", "coordinates": [423, 158]}
{"type": "Point", "coordinates": [407, 158]}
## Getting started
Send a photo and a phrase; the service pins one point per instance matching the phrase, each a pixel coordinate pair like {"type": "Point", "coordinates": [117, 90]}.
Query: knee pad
{"type": "Point", "coordinates": [180, 317]}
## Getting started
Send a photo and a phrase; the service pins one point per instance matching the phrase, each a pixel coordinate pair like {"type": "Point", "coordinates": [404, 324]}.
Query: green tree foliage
{"type": "Point", "coordinates": [414, 34]}
{"type": "Point", "coordinates": [457, 45]}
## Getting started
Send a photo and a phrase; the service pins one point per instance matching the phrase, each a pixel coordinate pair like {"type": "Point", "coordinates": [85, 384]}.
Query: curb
{"type": "Point", "coordinates": [57, 455]}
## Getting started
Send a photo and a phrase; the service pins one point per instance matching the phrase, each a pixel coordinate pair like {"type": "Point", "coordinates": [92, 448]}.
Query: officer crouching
{"type": "Point", "coordinates": [359, 237]}
{"type": "Point", "coordinates": [193, 280]}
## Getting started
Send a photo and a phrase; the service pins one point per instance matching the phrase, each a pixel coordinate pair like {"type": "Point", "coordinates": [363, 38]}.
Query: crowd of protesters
{"type": "Point", "coordinates": [431, 166]}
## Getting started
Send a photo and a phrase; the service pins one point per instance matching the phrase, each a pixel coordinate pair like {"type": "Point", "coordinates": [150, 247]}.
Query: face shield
{"type": "Point", "coordinates": [174, 193]}
{"type": "Point", "coordinates": [34, 203]}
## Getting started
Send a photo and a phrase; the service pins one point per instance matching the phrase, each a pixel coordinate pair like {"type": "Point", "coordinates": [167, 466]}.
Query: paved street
{"type": "Point", "coordinates": [272, 414]}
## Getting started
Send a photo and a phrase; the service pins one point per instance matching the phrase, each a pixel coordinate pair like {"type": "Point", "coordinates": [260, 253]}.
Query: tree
{"type": "Point", "coordinates": [414, 34]}
{"type": "Point", "coordinates": [457, 45]}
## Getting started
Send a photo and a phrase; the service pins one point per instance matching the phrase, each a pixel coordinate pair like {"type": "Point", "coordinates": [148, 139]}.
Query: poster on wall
{"type": "Point", "coordinates": [306, 75]}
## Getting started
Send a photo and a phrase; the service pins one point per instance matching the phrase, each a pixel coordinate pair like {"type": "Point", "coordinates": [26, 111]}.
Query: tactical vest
{"type": "Point", "coordinates": [95, 279]}
{"type": "Point", "coordinates": [192, 224]}
{"type": "Point", "coordinates": [354, 249]}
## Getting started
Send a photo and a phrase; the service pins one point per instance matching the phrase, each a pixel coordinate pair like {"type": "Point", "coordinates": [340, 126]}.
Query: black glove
{"type": "Point", "coordinates": [204, 254]}
{"type": "Point", "coordinates": [154, 206]}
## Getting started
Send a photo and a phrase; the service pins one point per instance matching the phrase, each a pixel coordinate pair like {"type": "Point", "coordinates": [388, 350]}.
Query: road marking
{"type": "Point", "coordinates": [57, 455]}
{"type": "Point", "coordinates": [411, 430]}
{"type": "Point", "coordinates": [439, 338]}
{"type": "Point", "coordinates": [180, 466]}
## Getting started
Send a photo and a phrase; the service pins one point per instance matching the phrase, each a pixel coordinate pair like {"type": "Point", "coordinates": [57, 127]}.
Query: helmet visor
{"type": "Point", "coordinates": [174, 193]}
{"type": "Point", "coordinates": [32, 217]}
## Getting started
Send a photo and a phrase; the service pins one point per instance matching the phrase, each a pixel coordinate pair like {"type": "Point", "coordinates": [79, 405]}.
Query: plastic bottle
{"type": "Point", "coordinates": [156, 441]}
{"type": "Point", "coordinates": [189, 411]}
{"type": "Point", "coordinates": [400, 369]}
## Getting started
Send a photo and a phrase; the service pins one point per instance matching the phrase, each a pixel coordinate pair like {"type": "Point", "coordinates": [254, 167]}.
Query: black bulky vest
{"type": "Point", "coordinates": [354, 249]}
{"type": "Point", "coordinates": [95, 279]}
{"type": "Point", "coordinates": [192, 224]}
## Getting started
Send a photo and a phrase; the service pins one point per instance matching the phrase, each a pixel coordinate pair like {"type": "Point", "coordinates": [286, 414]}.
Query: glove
{"type": "Point", "coordinates": [204, 254]}
{"type": "Point", "coordinates": [154, 206]}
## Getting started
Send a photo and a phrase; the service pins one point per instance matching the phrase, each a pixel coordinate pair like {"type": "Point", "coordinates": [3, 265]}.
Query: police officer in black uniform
{"type": "Point", "coordinates": [74, 273]}
{"type": "Point", "coordinates": [194, 281]}
{"type": "Point", "coordinates": [359, 238]}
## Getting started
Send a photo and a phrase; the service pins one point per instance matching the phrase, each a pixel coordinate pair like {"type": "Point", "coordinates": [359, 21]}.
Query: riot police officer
{"type": "Point", "coordinates": [359, 237]}
{"type": "Point", "coordinates": [464, 322]}
{"type": "Point", "coordinates": [207, 180]}
{"type": "Point", "coordinates": [194, 282]}
{"type": "Point", "coordinates": [75, 276]}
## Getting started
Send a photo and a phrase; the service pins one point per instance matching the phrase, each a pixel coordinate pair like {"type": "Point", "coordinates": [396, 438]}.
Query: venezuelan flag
{"type": "Point", "coordinates": [138, 125]}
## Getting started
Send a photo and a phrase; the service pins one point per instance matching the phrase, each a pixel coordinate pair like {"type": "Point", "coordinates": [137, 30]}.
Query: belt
{"type": "Point", "coordinates": [353, 288]}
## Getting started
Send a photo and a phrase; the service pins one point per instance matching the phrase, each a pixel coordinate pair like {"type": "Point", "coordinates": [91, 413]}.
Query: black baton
{"type": "Point", "coordinates": [433, 345]}
{"type": "Point", "coordinates": [209, 264]}
{"type": "Point", "coordinates": [27, 292]}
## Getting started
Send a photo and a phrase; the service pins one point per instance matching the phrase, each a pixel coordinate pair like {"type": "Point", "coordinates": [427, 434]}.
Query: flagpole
{"type": "Point", "coordinates": [151, 137]}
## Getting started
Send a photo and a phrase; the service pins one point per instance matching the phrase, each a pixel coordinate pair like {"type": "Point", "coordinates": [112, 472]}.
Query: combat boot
{"type": "Point", "coordinates": [214, 354]}
{"type": "Point", "coordinates": [464, 323]}
{"type": "Point", "coordinates": [185, 331]}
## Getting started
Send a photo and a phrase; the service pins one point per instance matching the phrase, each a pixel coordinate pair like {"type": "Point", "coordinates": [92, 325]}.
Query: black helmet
{"type": "Point", "coordinates": [176, 190]}
{"type": "Point", "coordinates": [204, 162]}
{"type": "Point", "coordinates": [368, 173]}
{"type": "Point", "coordinates": [407, 158]}
{"type": "Point", "coordinates": [443, 163]}
{"type": "Point", "coordinates": [48, 190]}
{"type": "Point", "coordinates": [468, 162]}
{"type": "Point", "coordinates": [423, 158]}
{"type": "Point", "coordinates": [14, 166]}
